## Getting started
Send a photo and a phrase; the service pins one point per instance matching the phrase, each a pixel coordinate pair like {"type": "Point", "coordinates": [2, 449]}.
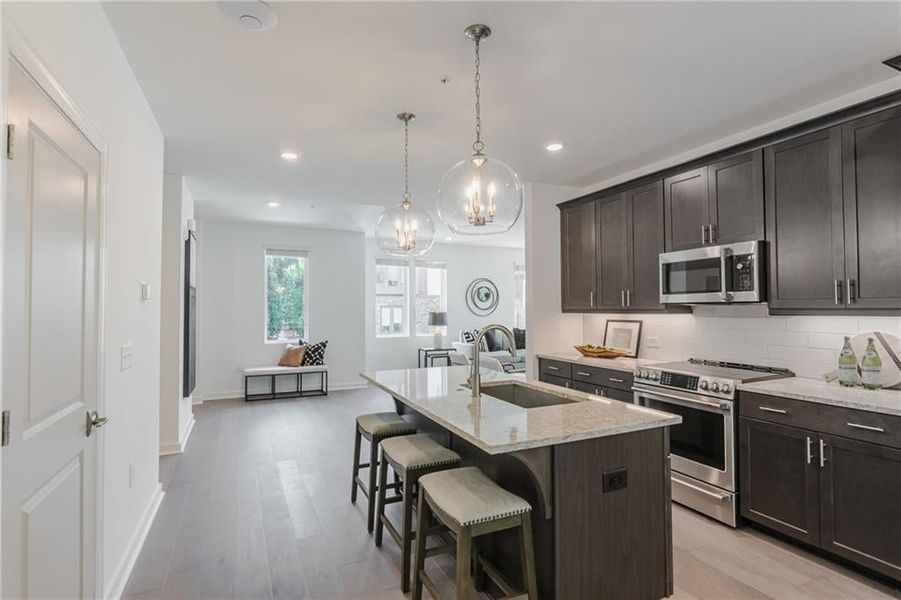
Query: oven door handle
{"type": "Point", "coordinates": [696, 488]}
{"type": "Point", "coordinates": [719, 407]}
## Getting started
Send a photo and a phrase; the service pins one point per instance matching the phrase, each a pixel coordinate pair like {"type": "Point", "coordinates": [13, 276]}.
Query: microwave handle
{"type": "Point", "coordinates": [725, 294]}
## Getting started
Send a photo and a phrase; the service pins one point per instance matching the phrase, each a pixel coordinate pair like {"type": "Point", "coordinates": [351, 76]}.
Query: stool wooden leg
{"type": "Point", "coordinates": [353, 487]}
{"type": "Point", "coordinates": [406, 533]}
{"type": "Point", "coordinates": [464, 562]}
{"type": "Point", "coordinates": [373, 462]}
{"type": "Point", "coordinates": [424, 517]}
{"type": "Point", "coordinates": [380, 506]}
{"type": "Point", "coordinates": [527, 551]}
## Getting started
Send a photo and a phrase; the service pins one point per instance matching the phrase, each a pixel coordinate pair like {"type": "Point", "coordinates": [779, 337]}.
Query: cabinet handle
{"type": "Point", "coordinates": [712, 232]}
{"type": "Point", "coordinates": [866, 427]}
{"type": "Point", "coordinates": [809, 450]}
{"type": "Point", "coordinates": [822, 453]}
{"type": "Point", "coordinates": [850, 290]}
{"type": "Point", "coordinates": [628, 297]}
{"type": "Point", "coordinates": [567, 383]}
{"type": "Point", "coordinates": [622, 298]}
{"type": "Point", "coordinates": [703, 234]}
{"type": "Point", "coordinates": [838, 292]}
{"type": "Point", "coordinates": [778, 411]}
{"type": "Point", "coordinates": [615, 380]}
{"type": "Point", "coordinates": [583, 373]}
{"type": "Point", "coordinates": [591, 299]}
{"type": "Point", "coordinates": [552, 368]}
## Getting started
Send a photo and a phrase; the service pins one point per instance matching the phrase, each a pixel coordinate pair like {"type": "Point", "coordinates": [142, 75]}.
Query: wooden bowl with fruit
{"type": "Point", "coordinates": [592, 351]}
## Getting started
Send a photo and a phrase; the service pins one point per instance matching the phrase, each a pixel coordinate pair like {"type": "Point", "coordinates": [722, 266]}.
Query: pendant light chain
{"type": "Point", "coordinates": [478, 145]}
{"type": "Point", "coordinates": [406, 160]}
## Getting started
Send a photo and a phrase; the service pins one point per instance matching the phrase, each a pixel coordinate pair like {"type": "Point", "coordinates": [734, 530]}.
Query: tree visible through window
{"type": "Point", "coordinates": [286, 276]}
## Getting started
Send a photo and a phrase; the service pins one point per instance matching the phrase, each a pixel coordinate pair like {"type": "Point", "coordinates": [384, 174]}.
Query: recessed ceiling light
{"type": "Point", "coordinates": [448, 238]}
{"type": "Point", "coordinates": [273, 204]}
{"type": "Point", "coordinates": [553, 146]}
{"type": "Point", "coordinates": [287, 155]}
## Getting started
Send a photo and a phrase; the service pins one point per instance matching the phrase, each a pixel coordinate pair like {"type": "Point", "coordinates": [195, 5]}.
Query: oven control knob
{"type": "Point", "coordinates": [655, 375]}
{"type": "Point", "coordinates": [726, 388]}
{"type": "Point", "coordinates": [642, 373]}
{"type": "Point", "coordinates": [703, 385]}
{"type": "Point", "coordinates": [714, 386]}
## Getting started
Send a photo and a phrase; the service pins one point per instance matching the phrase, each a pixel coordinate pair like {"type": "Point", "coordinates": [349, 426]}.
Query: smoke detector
{"type": "Point", "coordinates": [257, 16]}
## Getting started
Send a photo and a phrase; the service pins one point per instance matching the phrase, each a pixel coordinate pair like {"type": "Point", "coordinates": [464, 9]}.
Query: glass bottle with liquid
{"type": "Point", "coordinates": [848, 374]}
{"type": "Point", "coordinates": [871, 367]}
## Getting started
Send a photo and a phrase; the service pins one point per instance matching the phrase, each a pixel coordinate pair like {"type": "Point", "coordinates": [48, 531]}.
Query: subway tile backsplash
{"type": "Point", "coordinates": [808, 345]}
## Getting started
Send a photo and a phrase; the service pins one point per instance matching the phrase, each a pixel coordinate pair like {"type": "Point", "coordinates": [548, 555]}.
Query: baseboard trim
{"type": "Point", "coordinates": [239, 394]}
{"type": "Point", "coordinates": [120, 576]}
{"type": "Point", "coordinates": [169, 449]}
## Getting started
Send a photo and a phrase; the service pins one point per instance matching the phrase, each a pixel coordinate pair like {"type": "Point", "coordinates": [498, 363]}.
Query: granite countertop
{"type": "Point", "coordinates": [887, 402]}
{"type": "Point", "coordinates": [495, 426]}
{"type": "Point", "coordinates": [619, 364]}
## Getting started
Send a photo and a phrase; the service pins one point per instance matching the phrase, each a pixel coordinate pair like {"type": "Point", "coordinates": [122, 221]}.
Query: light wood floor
{"type": "Point", "coordinates": [259, 507]}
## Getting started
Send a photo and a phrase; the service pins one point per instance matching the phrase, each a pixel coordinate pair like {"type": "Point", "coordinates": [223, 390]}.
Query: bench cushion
{"type": "Point", "coordinates": [383, 425]}
{"type": "Point", "coordinates": [412, 452]}
{"type": "Point", "coordinates": [466, 496]}
{"type": "Point", "coordinates": [254, 371]}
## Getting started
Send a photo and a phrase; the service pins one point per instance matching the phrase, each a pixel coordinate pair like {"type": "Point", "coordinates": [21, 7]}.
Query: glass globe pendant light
{"type": "Point", "coordinates": [479, 195]}
{"type": "Point", "coordinates": [404, 229]}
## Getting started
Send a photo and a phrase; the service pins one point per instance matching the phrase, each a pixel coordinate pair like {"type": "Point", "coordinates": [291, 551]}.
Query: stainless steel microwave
{"type": "Point", "coordinates": [714, 274]}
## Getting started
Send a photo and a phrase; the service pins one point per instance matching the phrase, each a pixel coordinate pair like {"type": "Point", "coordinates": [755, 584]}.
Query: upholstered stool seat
{"type": "Point", "coordinates": [383, 424]}
{"type": "Point", "coordinates": [375, 427]}
{"type": "Point", "coordinates": [411, 457]}
{"type": "Point", "coordinates": [470, 505]}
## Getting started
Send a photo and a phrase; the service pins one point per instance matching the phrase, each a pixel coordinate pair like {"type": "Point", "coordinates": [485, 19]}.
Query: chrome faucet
{"type": "Point", "coordinates": [475, 379]}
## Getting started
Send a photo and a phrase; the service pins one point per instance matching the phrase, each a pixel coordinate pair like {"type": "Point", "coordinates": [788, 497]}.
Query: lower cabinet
{"type": "Point", "coordinates": [841, 495]}
{"type": "Point", "coordinates": [608, 383]}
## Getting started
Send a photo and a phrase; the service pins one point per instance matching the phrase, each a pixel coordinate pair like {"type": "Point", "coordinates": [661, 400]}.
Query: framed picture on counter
{"type": "Point", "coordinates": [623, 335]}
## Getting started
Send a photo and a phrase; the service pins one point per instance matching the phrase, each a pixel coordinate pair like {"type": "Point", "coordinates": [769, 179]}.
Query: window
{"type": "Point", "coordinates": [519, 296]}
{"type": "Point", "coordinates": [286, 295]}
{"type": "Point", "coordinates": [431, 293]}
{"type": "Point", "coordinates": [391, 297]}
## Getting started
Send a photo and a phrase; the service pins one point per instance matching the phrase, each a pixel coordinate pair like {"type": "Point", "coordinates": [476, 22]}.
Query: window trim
{"type": "Point", "coordinates": [297, 252]}
{"type": "Point", "coordinates": [407, 296]}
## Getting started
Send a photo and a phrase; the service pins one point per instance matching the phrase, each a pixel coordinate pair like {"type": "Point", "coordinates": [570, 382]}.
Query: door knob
{"type": "Point", "coordinates": [94, 421]}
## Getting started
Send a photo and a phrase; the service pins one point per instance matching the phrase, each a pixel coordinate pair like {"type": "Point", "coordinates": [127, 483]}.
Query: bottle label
{"type": "Point", "coordinates": [870, 375]}
{"type": "Point", "coordinates": [848, 373]}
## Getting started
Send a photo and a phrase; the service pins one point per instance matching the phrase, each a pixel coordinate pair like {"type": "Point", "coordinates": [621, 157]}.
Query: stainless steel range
{"type": "Point", "coordinates": [702, 447]}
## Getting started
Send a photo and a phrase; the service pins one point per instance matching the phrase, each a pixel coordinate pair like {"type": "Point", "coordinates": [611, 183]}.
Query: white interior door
{"type": "Point", "coordinates": [50, 380]}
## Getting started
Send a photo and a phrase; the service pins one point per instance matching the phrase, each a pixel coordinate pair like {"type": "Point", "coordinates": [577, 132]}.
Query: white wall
{"type": "Point", "coordinates": [550, 330]}
{"type": "Point", "coordinates": [78, 46]}
{"type": "Point", "coordinates": [808, 345]}
{"type": "Point", "coordinates": [176, 416]}
{"type": "Point", "coordinates": [464, 263]}
{"type": "Point", "coordinates": [231, 303]}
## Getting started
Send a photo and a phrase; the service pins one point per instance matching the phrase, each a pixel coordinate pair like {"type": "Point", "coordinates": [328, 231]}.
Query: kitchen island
{"type": "Point", "coordinates": [595, 470]}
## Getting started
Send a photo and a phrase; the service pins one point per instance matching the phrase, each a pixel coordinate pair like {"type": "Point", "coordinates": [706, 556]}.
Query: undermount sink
{"type": "Point", "coordinates": [523, 395]}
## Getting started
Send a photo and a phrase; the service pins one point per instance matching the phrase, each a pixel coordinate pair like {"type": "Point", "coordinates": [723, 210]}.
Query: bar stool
{"type": "Point", "coordinates": [375, 427]}
{"type": "Point", "coordinates": [411, 457]}
{"type": "Point", "coordinates": [471, 505]}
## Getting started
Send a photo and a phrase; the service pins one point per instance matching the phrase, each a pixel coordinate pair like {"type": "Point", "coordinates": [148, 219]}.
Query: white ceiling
{"type": "Point", "coordinates": [622, 84]}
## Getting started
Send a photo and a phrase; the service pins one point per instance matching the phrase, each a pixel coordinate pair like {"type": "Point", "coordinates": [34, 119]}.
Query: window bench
{"type": "Point", "coordinates": [274, 372]}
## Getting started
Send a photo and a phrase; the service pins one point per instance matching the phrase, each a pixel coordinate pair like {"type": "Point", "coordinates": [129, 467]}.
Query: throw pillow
{"type": "Point", "coordinates": [497, 341]}
{"type": "Point", "coordinates": [293, 356]}
{"type": "Point", "coordinates": [315, 354]}
{"type": "Point", "coordinates": [520, 335]}
{"type": "Point", "coordinates": [469, 337]}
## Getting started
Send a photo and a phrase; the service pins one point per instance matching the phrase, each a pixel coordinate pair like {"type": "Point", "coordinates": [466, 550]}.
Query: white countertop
{"type": "Point", "coordinates": [887, 402]}
{"type": "Point", "coordinates": [619, 364]}
{"type": "Point", "coordinates": [495, 426]}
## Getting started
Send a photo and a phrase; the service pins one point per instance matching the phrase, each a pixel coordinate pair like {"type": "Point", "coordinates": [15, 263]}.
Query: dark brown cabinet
{"type": "Point", "coordinates": [719, 203]}
{"type": "Point", "coordinates": [579, 252]}
{"type": "Point", "coordinates": [828, 476]}
{"type": "Point", "coordinates": [871, 157]}
{"type": "Point", "coordinates": [599, 381]}
{"type": "Point", "coordinates": [613, 253]}
{"type": "Point", "coordinates": [644, 242]}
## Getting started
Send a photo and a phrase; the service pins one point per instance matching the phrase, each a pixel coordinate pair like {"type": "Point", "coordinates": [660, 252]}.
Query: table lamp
{"type": "Point", "coordinates": [437, 319]}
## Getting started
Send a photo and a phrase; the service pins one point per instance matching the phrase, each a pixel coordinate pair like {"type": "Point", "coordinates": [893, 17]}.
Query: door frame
{"type": "Point", "coordinates": [14, 47]}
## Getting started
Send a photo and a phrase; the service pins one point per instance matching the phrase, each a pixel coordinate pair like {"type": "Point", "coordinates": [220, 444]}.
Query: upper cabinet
{"type": "Point", "coordinates": [718, 203]}
{"type": "Point", "coordinates": [578, 253]}
{"type": "Point", "coordinates": [644, 241]}
{"type": "Point", "coordinates": [833, 202]}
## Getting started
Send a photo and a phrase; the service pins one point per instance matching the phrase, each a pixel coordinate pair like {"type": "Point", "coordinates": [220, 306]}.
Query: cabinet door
{"type": "Point", "coordinates": [613, 256]}
{"type": "Point", "coordinates": [644, 232]}
{"type": "Point", "coordinates": [736, 198]}
{"type": "Point", "coordinates": [804, 221]}
{"type": "Point", "coordinates": [860, 503]}
{"type": "Point", "coordinates": [872, 180]}
{"type": "Point", "coordinates": [780, 478]}
{"type": "Point", "coordinates": [578, 239]}
{"type": "Point", "coordinates": [686, 209]}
